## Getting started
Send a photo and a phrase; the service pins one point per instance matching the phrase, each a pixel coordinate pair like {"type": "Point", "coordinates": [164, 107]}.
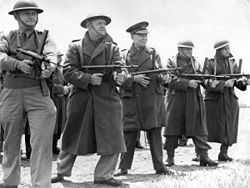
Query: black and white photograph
{"type": "Point", "coordinates": [124, 93]}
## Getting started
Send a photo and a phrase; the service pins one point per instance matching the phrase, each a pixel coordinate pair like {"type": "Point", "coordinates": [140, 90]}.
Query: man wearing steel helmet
{"type": "Point", "coordinates": [143, 100]}
{"type": "Point", "coordinates": [94, 122]}
{"type": "Point", "coordinates": [22, 97]}
{"type": "Point", "coordinates": [185, 106]}
{"type": "Point", "coordinates": [221, 103]}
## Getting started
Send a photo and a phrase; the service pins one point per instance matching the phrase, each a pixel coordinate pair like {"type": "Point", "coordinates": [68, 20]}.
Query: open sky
{"type": "Point", "coordinates": [202, 21]}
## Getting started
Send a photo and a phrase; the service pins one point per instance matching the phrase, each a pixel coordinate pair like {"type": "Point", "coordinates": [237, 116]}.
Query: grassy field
{"type": "Point", "coordinates": [187, 174]}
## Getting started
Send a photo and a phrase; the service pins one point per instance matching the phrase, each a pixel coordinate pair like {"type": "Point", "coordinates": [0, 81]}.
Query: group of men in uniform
{"type": "Point", "coordinates": [108, 107]}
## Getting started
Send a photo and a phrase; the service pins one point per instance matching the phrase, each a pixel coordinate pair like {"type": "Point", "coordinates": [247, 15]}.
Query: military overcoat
{"type": "Point", "coordinates": [221, 103]}
{"type": "Point", "coordinates": [184, 105]}
{"type": "Point", "coordinates": [94, 122]}
{"type": "Point", "coordinates": [144, 107]}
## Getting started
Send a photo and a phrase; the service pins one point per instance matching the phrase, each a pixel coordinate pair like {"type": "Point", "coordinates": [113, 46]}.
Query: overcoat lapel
{"type": "Point", "coordinates": [143, 57]}
{"type": "Point", "coordinates": [100, 48]}
{"type": "Point", "coordinates": [87, 46]}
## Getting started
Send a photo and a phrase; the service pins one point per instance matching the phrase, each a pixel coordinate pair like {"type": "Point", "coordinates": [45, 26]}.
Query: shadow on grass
{"type": "Point", "coordinates": [193, 167]}
{"type": "Point", "coordinates": [87, 184]}
{"type": "Point", "coordinates": [133, 178]}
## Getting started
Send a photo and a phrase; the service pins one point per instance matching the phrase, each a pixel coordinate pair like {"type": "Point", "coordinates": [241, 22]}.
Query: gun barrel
{"type": "Point", "coordinates": [156, 71]}
{"type": "Point", "coordinates": [108, 66]}
{"type": "Point", "coordinates": [202, 76]}
{"type": "Point", "coordinates": [236, 75]}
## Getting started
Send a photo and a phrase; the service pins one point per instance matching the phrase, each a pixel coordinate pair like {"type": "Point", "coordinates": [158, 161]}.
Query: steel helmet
{"type": "Point", "coordinates": [185, 44]}
{"type": "Point", "coordinates": [94, 16]}
{"type": "Point", "coordinates": [25, 5]}
{"type": "Point", "coordinates": [220, 44]}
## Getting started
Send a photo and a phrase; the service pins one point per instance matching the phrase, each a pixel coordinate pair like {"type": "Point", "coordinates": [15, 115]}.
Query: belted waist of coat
{"type": "Point", "coordinates": [13, 81]}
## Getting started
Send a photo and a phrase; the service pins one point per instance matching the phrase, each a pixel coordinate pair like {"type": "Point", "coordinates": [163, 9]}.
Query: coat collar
{"type": "Point", "coordinates": [89, 48]}
{"type": "Point", "coordinates": [143, 56]}
{"type": "Point", "coordinates": [194, 63]}
{"type": "Point", "coordinates": [133, 50]}
{"type": "Point", "coordinates": [221, 59]}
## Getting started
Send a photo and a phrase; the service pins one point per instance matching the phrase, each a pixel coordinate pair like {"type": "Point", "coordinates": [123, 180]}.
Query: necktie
{"type": "Point", "coordinates": [23, 37]}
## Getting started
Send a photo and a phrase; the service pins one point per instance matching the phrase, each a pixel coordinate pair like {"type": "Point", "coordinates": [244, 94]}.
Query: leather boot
{"type": "Point", "coordinates": [223, 154]}
{"type": "Point", "coordinates": [170, 159]}
{"type": "Point", "coordinates": [57, 178]}
{"type": "Point", "coordinates": [205, 160]}
{"type": "Point", "coordinates": [164, 171]}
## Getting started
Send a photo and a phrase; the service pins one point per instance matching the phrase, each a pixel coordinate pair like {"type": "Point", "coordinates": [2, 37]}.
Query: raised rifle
{"type": "Point", "coordinates": [157, 71]}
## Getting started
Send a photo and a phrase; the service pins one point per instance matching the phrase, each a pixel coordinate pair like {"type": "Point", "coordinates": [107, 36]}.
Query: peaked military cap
{"type": "Point", "coordinates": [185, 44]}
{"type": "Point", "coordinates": [139, 28]}
{"type": "Point", "coordinates": [221, 44]}
{"type": "Point", "coordinates": [94, 16]}
{"type": "Point", "coordinates": [25, 5]}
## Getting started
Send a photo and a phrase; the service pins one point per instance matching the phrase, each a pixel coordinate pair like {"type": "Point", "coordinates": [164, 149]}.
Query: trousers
{"type": "Point", "coordinates": [155, 143]}
{"type": "Point", "coordinates": [104, 169]}
{"type": "Point", "coordinates": [15, 105]}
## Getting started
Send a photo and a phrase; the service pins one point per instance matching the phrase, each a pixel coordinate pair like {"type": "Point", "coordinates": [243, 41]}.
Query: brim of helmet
{"type": "Point", "coordinates": [184, 46]}
{"type": "Point", "coordinates": [221, 46]}
{"type": "Point", "coordinates": [106, 18]}
{"type": "Point", "coordinates": [26, 8]}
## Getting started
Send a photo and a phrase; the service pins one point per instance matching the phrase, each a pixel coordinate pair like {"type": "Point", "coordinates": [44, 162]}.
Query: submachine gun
{"type": "Point", "coordinates": [106, 69]}
{"type": "Point", "coordinates": [157, 71]}
{"type": "Point", "coordinates": [38, 59]}
{"type": "Point", "coordinates": [42, 58]}
{"type": "Point", "coordinates": [202, 77]}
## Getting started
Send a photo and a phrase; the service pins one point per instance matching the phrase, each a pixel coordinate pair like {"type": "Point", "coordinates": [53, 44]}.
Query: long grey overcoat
{"type": "Point", "coordinates": [94, 122]}
{"type": "Point", "coordinates": [144, 107]}
{"type": "Point", "coordinates": [185, 106]}
{"type": "Point", "coordinates": [221, 103]}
